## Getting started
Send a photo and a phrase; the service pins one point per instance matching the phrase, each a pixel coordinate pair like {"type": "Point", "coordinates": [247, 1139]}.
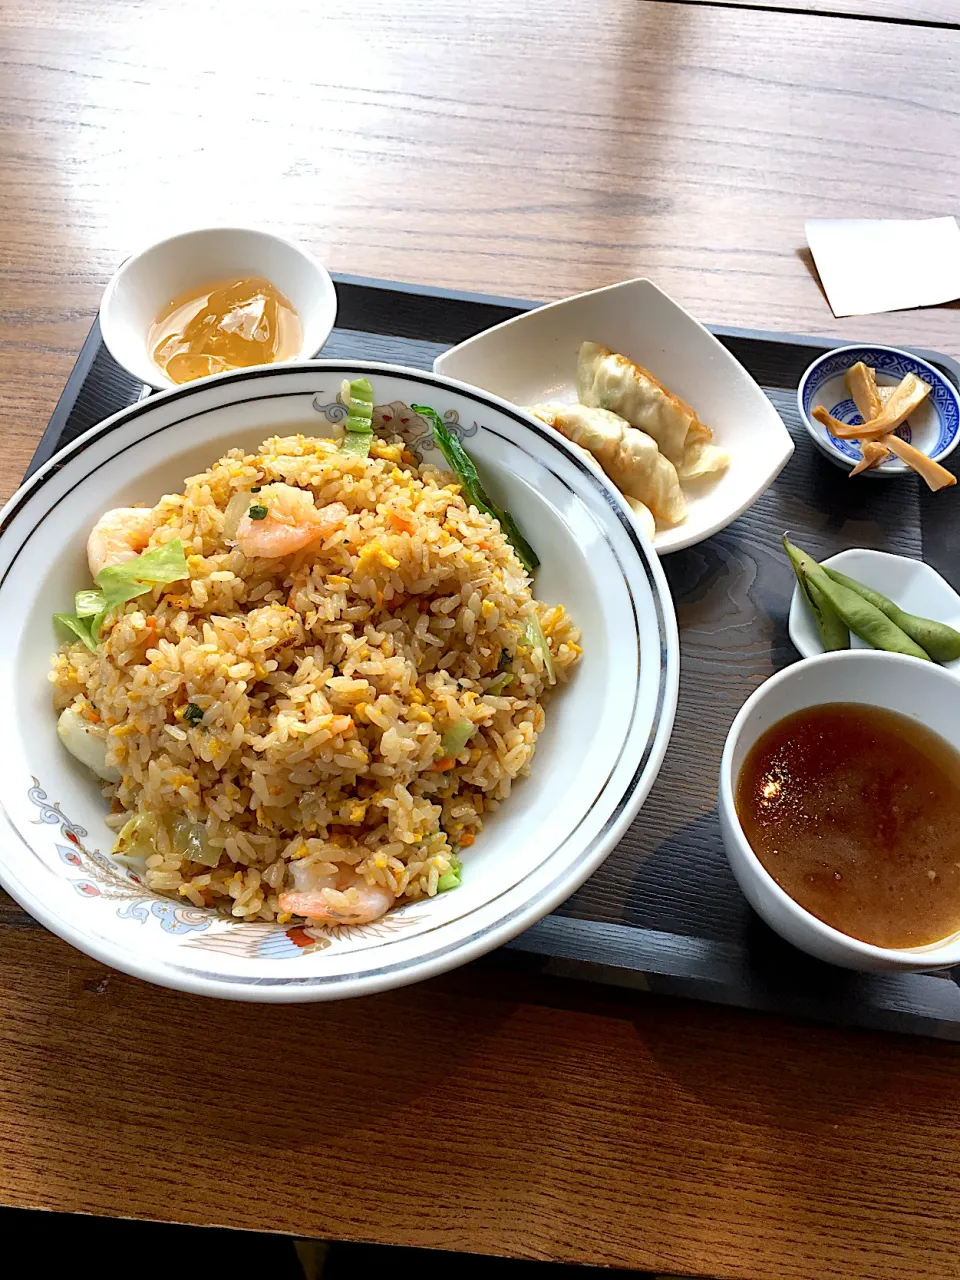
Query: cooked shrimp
{"type": "Point", "coordinates": [292, 522]}
{"type": "Point", "coordinates": [119, 535]}
{"type": "Point", "coordinates": [343, 897]}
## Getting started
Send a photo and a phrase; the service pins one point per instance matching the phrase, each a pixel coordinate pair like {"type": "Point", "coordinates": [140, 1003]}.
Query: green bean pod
{"type": "Point", "coordinates": [834, 633]}
{"type": "Point", "coordinates": [863, 618]}
{"type": "Point", "coordinates": [941, 642]}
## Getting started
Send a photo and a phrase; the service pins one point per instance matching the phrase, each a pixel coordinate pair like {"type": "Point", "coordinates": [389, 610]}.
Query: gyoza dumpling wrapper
{"type": "Point", "coordinates": [629, 457]}
{"type": "Point", "coordinates": [609, 381]}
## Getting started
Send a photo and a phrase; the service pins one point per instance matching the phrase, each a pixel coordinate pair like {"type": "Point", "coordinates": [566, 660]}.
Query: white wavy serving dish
{"type": "Point", "coordinates": [533, 358]}
{"type": "Point", "coordinates": [604, 742]}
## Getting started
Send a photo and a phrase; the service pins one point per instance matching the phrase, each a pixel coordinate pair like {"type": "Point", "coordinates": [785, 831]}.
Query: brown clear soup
{"type": "Point", "coordinates": [855, 812]}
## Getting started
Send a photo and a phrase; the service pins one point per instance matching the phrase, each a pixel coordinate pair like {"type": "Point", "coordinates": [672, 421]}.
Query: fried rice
{"type": "Point", "coordinates": [328, 681]}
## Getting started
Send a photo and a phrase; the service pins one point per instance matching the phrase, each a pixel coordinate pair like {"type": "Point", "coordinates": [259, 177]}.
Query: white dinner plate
{"type": "Point", "coordinates": [604, 741]}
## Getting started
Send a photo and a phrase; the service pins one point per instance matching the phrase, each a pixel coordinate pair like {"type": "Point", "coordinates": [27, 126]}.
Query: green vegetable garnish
{"type": "Point", "coordinates": [461, 463]}
{"type": "Point", "coordinates": [256, 488]}
{"type": "Point", "coordinates": [456, 738]}
{"type": "Point", "coordinates": [257, 512]}
{"type": "Point", "coordinates": [135, 577]}
{"type": "Point", "coordinates": [453, 878]}
{"type": "Point", "coordinates": [533, 635]}
{"type": "Point", "coordinates": [357, 444]}
{"type": "Point", "coordinates": [358, 428]}
{"type": "Point", "coordinates": [121, 582]}
{"type": "Point", "coordinates": [501, 682]}
{"type": "Point", "coordinates": [85, 623]}
{"type": "Point", "coordinates": [79, 626]}
{"type": "Point", "coordinates": [192, 713]}
{"type": "Point", "coordinates": [138, 838]}
{"type": "Point", "coordinates": [88, 603]}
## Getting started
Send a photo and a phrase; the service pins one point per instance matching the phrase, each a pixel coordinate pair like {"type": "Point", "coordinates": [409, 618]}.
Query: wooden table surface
{"type": "Point", "coordinates": [531, 149]}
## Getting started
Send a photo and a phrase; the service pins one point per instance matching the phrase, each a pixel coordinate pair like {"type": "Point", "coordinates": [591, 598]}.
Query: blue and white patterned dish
{"type": "Point", "coordinates": [934, 428]}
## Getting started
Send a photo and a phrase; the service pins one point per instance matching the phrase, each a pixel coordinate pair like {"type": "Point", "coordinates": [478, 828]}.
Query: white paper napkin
{"type": "Point", "coordinates": [887, 264]}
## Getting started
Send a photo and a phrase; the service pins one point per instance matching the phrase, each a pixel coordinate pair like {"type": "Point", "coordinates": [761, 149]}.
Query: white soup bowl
{"type": "Point", "coordinates": [920, 690]}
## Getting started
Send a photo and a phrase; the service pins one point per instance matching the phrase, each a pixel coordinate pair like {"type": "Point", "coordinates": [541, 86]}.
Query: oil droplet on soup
{"type": "Point", "coordinates": [855, 812]}
{"type": "Point", "coordinates": [231, 324]}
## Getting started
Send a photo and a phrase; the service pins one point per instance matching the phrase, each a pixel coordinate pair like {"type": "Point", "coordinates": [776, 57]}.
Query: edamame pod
{"type": "Point", "coordinates": [941, 642]}
{"type": "Point", "coordinates": [833, 630]}
{"type": "Point", "coordinates": [863, 618]}
{"type": "Point", "coordinates": [834, 633]}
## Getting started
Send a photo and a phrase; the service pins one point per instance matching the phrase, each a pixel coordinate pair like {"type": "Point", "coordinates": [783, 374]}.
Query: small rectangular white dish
{"type": "Point", "coordinates": [533, 358]}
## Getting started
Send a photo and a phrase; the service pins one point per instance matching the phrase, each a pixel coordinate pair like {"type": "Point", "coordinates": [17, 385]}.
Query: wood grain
{"type": "Point", "coordinates": [934, 11]}
{"type": "Point", "coordinates": [483, 1112]}
{"type": "Point", "coordinates": [520, 150]}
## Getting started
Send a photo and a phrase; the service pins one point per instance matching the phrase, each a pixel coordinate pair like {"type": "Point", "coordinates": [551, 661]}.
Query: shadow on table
{"type": "Point", "coordinates": [345, 1262]}
{"type": "Point", "coordinates": [61, 1244]}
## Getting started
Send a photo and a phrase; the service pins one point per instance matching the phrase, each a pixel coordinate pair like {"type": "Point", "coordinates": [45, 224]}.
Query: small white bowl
{"type": "Point", "coordinates": [934, 428]}
{"type": "Point", "coordinates": [147, 282]}
{"type": "Point", "coordinates": [533, 358]}
{"type": "Point", "coordinates": [918, 689]}
{"type": "Point", "coordinates": [911, 584]}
